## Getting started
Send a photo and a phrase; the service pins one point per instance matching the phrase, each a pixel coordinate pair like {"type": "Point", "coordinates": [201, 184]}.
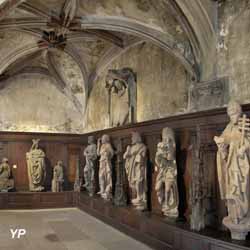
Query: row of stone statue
{"type": "Point", "coordinates": [233, 170]}
{"type": "Point", "coordinates": [136, 170]}
{"type": "Point", "coordinates": [36, 172]}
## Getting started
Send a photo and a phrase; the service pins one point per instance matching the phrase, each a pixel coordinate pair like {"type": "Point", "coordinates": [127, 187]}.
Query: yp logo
{"type": "Point", "coordinates": [17, 233]}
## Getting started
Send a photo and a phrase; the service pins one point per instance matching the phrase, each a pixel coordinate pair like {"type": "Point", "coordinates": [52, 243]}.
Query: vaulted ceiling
{"type": "Point", "coordinates": [43, 36]}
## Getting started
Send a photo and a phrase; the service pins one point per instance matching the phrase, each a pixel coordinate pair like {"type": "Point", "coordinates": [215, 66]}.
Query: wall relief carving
{"type": "Point", "coordinates": [122, 91]}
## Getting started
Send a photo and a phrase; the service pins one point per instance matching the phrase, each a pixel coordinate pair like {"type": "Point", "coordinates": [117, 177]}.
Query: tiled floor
{"type": "Point", "coordinates": [61, 229]}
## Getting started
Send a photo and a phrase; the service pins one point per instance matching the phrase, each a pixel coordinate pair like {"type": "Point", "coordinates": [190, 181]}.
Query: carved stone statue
{"type": "Point", "coordinates": [36, 167]}
{"type": "Point", "coordinates": [166, 181]}
{"type": "Point", "coordinates": [106, 153]}
{"type": "Point", "coordinates": [122, 89]}
{"type": "Point", "coordinates": [6, 182]}
{"type": "Point", "coordinates": [90, 154]}
{"type": "Point", "coordinates": [233, 171]}
{"type": "Point", "coordinates": [57, 181]}
{"type": "Point", "coordinates": [136, 168]}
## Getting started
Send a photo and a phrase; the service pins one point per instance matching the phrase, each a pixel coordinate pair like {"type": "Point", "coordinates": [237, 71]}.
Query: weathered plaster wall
{"type": "Point", "coordinates": [162, 86]}
{"type": "Point", "coordinates": [33, 104]}
{"type": "Point", "coordinates": [233, 47]}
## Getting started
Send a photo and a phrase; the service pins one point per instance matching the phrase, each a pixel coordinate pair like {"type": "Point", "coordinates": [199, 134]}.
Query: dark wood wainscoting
{"type": "Point", "coordinates": [67, 148]}
{"type": "Point", "coordinates": [38, 200]}
{"type": "Point", "coordinates": [150, 226]}
{"type": "Point", "coordinates": [156, 231]}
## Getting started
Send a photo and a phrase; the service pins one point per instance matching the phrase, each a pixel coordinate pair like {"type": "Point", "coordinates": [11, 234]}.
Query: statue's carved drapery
{"type": "Point", "coordinates": [36, 167]}
{"type": "Point", "coordinates": [122, 89]}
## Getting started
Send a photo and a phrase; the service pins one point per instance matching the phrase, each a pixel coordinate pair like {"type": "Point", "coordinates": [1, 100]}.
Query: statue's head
{"type": "Point", "coordinates": [168, 136]}
{"type": "Point", "coordinates": [5, 160]}
{"type": "Point", "coordinates": [60, 163]}
{"type": "Point", "coordinates": [91, 139]}
{"type": "Point", "coordinates": [234, 111]}
{"type": "Point", "coordinates": [136, 138]}
{"type": "Point", "coordinates": [105, 139]}
{"type": "Point", "coordinates": [168, 139]}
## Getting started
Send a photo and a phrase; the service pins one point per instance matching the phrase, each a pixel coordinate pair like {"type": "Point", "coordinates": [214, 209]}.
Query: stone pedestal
{"type": "Point", "coordinates": [139, 205]}
{"type": "Point", "coordinates": [238, 231]}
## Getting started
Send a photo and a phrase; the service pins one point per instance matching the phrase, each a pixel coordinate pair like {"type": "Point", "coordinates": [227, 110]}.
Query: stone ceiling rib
{"type": "Point", "coordinates": [6, 6]}
{"type": "Point", "coordinates": [159, 38]}
{"type": "Point", "coordinates": [19, 54]}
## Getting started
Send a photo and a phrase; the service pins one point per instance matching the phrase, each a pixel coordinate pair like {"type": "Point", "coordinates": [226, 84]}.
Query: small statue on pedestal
{"type": "Point", "coordinates": [90, 154]}
{"type": "Point", "coordinates": [36, 167]}
{"type": "Point", "coordinates": [106, 153]}
{"type": "Point", "coordinates": [6, 183]}
{"type": "Point", "coordinates": [136, 168]}
{"type": "Point", "coordinates": [57, 181]}
{"type": "Point", "coordinates": [166, 181]}
{"type": "Point", "coordinates": [233, 171]}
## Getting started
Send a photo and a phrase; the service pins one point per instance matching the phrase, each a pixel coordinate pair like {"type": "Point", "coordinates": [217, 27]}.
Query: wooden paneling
{"type": "Point", "coordinates": [14, 146]}
{"type": "Point", "coordinates": [37, 200]}
{"type": "Point", "coordinates": [156, 231]}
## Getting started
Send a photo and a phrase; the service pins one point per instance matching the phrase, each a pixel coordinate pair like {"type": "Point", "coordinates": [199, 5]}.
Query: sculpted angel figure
{"type": "Point", "coordinates": [166, 181]}
{"type": "Point", "coordinates": [106, 153]}
{"type": "Point", "coordinates": [136, 168]}
{"type": "Point", "coordinates": [233, 171]}
{"type": "Point", "coordinates": [90, 154]}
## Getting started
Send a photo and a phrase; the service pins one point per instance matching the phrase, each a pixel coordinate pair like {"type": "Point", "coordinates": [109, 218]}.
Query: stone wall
{"type": "Point", "coordinates": [162, 87]}
{"type": "Point", "coordinates": [33, 104]}
{"type": "Point", "coordinates": [233, 47]}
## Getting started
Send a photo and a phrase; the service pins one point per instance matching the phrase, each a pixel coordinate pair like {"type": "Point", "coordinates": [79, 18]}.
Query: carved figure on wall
{"type": "Point", "coordinates": [90, 154]}
{"type": "Point", "coordinates": [6, 182]}
{"type": "Point", "coordinates": [122, 89]}
{"type": "Point", "coordinates": [106, 153]}
{"type": "Point", "coordinates": [120, 195]}
{"type": "Point", "coordinates": [197, 187]}
{"type": "Point", "coordinates": [166, 181]}
{"type": "Point", "coordinates": [36, 167]}
{"type": "Point", "coordinates": [233, 171]}
{"type": "Point", "coordinates": [136, 168]}
{"type": "Point", "coordinates": [57, 181]}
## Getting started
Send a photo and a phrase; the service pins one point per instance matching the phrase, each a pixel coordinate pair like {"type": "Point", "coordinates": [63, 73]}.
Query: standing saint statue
{"type": "Point", "coordinates": [90, 154]}
{"type": "Point", "coordinates": [166, 181]}
{"type": "Point", "coordinates": [57, 181]}
{"type": "Point", "coordinates": [233, 171]}
{"type": "Point", "coordinates": [36, 167]}
{"type": "Point", "coordinates": [106, 153]}
{"type": "Point", "coordinates": [136, 168]}
{"type": "Point", "coordinates": [6, 183]}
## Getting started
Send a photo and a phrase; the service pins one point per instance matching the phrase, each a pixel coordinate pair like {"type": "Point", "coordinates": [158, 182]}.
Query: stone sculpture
{"type": "Point", "coordinates": [233, 171]}
{"type": "Point", "coordinates": [136, 168]}
{"type": "Point", "coordinates": [6, 182]}
{"type": "Point", "coordinates": [90, 154]}
{"type": "Point", "coordinates": [106, 153]}
{"type": "Point", "coordinates": [166, 181]}
{"type": "Point", "coordinates": [57, 181]}
{"type": "Point", "coordinates": [122, 90]}
{"type": "Point", "coordinates": [36, 167]}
